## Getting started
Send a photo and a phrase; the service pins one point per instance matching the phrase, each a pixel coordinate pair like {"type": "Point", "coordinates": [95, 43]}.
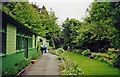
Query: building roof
{"type": "Point", "coordinates": [17, 23]}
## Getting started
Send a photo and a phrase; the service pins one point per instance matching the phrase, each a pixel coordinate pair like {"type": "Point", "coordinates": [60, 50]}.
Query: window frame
{"type": "Point", "coordinates": [3, 39]}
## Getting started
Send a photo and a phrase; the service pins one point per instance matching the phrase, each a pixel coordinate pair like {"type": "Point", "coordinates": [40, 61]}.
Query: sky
{"type": "Point", "coordinates": [65, 8]}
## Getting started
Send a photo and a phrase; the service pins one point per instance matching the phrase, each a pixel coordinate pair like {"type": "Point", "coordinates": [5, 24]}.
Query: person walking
{"type": "Point", "coordinates": [42, 48]}
{"type": "Point", "coordinates": [45, 47]}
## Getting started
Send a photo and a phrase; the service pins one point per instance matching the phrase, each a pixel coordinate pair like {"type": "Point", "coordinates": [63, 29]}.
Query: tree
{"type": "Point", "coordinates": [35, 18]}
{"type": "Point", "coordinates": [106, 15]}
{"type": "Point", "coordinates": [70, 28]}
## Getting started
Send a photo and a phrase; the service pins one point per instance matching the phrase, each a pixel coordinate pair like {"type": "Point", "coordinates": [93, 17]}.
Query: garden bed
{"type": "Point", "coordinates": [66, 66]}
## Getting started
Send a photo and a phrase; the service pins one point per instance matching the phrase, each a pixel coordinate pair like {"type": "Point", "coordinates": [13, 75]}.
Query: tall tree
{"type": "Point", "coordinates": [106, 15]}
{"type": "Point", "coordinates": [70, 28]}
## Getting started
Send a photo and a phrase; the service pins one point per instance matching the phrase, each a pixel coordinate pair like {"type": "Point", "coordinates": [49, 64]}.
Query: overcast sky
{"type": "Point", "coordinates": [65, 8]}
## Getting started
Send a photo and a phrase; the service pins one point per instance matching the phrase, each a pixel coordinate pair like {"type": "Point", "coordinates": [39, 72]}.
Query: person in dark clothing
{"type": "Point", "coordinates": [45, 48]}
{"type": "Point", "coordinates": [42, 49]}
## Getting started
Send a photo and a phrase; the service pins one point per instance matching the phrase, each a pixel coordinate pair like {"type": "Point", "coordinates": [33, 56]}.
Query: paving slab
{"type": "Point", "coordinates": [47, 64]}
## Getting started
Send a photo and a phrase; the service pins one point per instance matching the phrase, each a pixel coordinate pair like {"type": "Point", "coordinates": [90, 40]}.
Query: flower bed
{"type": "Point", "coordinates": [66, 66]}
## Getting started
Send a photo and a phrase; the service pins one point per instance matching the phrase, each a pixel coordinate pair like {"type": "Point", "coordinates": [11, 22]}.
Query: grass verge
{"type": "Point", "coordinates": [91, 66]}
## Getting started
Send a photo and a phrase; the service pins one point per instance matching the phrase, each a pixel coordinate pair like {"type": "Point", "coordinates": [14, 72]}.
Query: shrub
{"type": "Point", "coordinates": [98, 55]}
{"type": "Point", "coordinates": [93, 55]}
{"type": "Point", "coordinates": [11, 71]}
{"type": "Point", "coordinates": [69, 68]}
{"type": "Point", "coordinates": [109, 53]}
{"type": "Point", "coordinates": [22, 64]}
{"type": "Point", "coordinates": [50, 48]}
{"type": "Point", "coordinates": [74, 50]}
{"type": "Point", "coordinates": [27, 61]}
{"type": "Point", "coordinates": [59, 51]}
{"type": "Point", "coordinates": [53, 47]}
{"type": "Point", "coordinates": [53, 52]}
{"type": "Point", "coordinates": [86, 52]}
{"type": "Point", "coordinates": [110, 62]}
{"type": "Point", "coordinates": [101, 59]}
{"type": "Point", "coordinates": [34, 56]}
{"type": "Point", "coordinates": [116, 60]}
{"type": "Point", "coordinates": [19, 67]}
{"type": "Point", "coordinates": [111, 49]}
{"type": "Point", "coordinates": [77, 51]}
{"type": "Point", "coordinates": [96, 58]}
{"type": "Point", "coordinates": [105, 60]}
{"type": "Point", "coordinates": [68, 48]}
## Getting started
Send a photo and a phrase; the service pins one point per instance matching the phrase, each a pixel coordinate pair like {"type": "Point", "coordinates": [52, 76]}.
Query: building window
{"type": "Point", "coordinates": [0, 42]}
{"type": "Point", "coordinates": [31, 43]}
{"type": "Point", "coordinates": [3, 40]}
{"type": "Point", "coordinates": [18, 39]}
{"type": "Point", "coordinates": [22, 43]}
{"type": "Point", "coordinates": [18, 43]}
{"type": "Point", "coordinates": [35, 41]}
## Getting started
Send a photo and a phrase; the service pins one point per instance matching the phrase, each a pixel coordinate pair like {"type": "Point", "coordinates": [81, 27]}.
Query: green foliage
{"type": "Point", "coordinates": [99, 30]}
{"type": "Point", "coordinates": [109, 53]}
{"type": "Point", "coordinates": [77, 51]}
{"type": "Point", "coordinates": [68, 48]}
{"type": "Point", "coordinates": [98, 55]}
{"type": "Point", "coordinates": [96, 58]}
{"type": "Point", "coordinates": [53, 47]}
{"type": "Point", "coordinates": [107, 27]}
{"type": "Point", "coordinates": [52, 52]}
{"type": "Point", "coordinates": [101, 59]}
{"type": "Point", "coordinates": [67, 67]}
{"type": "Point", "coordinates": [27, 61]}
{"type": "Point", "coordinates": [109, 58]}
{"type": "Point", "coordinates": [37, 19]}
{"type": "Point", "coordinates": [13, 70]}
{"type": "Point", "coordinates": [86, 52]}
{"type": "Point", "coordinates": [34, 56]}
{"type": "Point", "coordinates": [116, 60]}
{"type": "Point", "coordinates": [60, 51]}
{"type": "Point", "coordinates": [70, 32]}
{"type": "Point", "coordinates": [110, 62]}
{"type": "Point", "coordinates": [93, 55]}
{"type": "Point", "coordinates": [23, 64]}
{"type": "Point", "coordinates": [19, 67]}
{"type": "Point", "coordinates": [105, 60]}
{"type": "Point", "coordinates": [91, 66]}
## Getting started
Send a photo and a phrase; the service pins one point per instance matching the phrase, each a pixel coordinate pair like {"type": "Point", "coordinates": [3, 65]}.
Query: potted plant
{"type": "Point", "coordinates": [33, 61]}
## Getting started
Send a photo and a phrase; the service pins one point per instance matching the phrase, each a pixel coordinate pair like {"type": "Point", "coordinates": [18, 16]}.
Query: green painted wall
{"type": "Point", "coordinates": [31, 52]}
{"type": "Point", "coordinates": [11, 39]}
{"type": "Point", "coordinates": [12, 59]}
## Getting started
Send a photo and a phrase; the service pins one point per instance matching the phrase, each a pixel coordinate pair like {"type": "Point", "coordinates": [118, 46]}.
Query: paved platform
{"type": "Point", "coordinates": [45, 65]}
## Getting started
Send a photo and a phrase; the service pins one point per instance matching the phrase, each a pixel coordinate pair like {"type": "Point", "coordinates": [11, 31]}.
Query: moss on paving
{"type": "Point", "coordinates": [91, 66]}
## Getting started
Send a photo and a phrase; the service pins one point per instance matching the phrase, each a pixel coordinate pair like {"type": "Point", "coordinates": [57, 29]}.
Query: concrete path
{"type": "Point", "coordinates": [45, 65]}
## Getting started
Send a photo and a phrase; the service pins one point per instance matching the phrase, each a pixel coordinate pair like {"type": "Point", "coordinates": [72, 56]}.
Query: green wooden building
{"type": "Point", "coordinates": [17, 42]}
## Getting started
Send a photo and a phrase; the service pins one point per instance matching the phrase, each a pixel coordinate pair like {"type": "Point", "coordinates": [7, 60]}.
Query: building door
{"type": "Point", "coordinates": [26, 48]}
